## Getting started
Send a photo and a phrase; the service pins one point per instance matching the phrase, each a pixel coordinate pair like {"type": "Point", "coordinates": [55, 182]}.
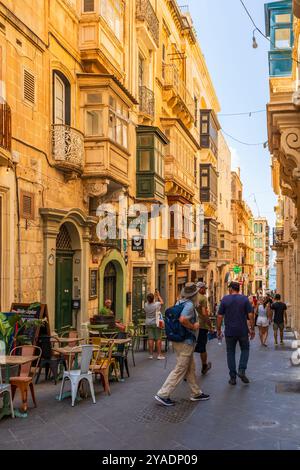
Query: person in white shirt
{"type": "Point", "coordinates": [152, 309]}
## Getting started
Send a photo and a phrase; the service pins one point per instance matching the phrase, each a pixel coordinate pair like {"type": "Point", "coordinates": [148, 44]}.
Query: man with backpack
{"type": "Point", "coordinates": [182, 328]}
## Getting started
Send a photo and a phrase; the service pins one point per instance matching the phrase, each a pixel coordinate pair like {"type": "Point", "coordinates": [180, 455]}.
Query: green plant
{"type": "Point", "coordinates": [13, 329]}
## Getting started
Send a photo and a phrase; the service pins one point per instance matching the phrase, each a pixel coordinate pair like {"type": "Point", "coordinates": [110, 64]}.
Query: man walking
{"type": "Point", "coordinates": [280, 318]}
{"type": "Point", "coordinates": [185, 365]}
{"type": "Point", "coordinates": [239, 323]}
{"type": "Point", "coordinates": [204, 326]}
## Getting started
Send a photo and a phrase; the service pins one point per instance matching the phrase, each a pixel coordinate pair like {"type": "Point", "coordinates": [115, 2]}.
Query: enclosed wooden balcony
{"type": "Point", "coordinates": [147, 24]}
{"type": "Point", "coordinates": [209, 188]}
{"type": "Point", "coordinates": [177, 95]}
{"type": "Point", "coordinates": [5, 133]}
{"type": "Point", "coordinates": [67, 148]}
{"type": "Point", "coordinates": [209, 127]}
{"type": "Point", "coordinates": [209, 248]}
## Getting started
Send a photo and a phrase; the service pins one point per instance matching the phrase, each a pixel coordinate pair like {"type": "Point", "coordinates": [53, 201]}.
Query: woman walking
{"type": "Point", "coordinates": [263, 315]}
{"type": "Point", "coordinates": [152, 309]}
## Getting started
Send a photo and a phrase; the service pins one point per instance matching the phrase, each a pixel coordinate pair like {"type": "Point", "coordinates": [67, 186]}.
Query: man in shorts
{"type": "Point", "coordinates": [280, 317]}
{"type": "Point", "coordinates": [205, 326]}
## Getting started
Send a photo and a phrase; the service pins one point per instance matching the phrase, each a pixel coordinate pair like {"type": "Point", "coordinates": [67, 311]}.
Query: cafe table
{"type": "Point", "coordinates": [8, 362]}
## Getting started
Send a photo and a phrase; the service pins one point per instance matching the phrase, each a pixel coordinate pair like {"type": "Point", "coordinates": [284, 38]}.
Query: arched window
{"type": "Point", "coordinates": [255, 228]}
{"type": "Point", "coordinates": [61, 99]}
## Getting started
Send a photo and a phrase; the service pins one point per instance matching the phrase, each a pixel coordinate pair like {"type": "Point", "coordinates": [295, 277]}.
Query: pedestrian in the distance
{"type": "Point", "coordinates": [152, 309]}
{"type": "Point", "coordinates": [263, 320]}
{"type": "Point", "coordinates": [205, 326]}
{"type": "Point", "coordinates": [280, 318]}
{"type": "Point", "coordinates": [185, 311]}
{"type": "Point", "coordinates": [239, 324]}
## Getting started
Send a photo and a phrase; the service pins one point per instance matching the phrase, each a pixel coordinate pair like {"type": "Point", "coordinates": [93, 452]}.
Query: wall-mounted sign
{"type": "Point", "coordinates": [93, 284]}
{"type": "Point", "coordinates": [137, 243]}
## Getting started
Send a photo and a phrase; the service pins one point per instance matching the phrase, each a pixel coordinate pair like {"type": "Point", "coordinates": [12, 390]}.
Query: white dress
{"type": "Point", "coordinates": [262, 319]}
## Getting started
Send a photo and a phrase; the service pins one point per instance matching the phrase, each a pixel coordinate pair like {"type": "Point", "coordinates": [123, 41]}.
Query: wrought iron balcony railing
{"type": "Point", "coordinates": [67, 148]}
{"type": "Point", "coordinates": [278, 236]}
{"type": "Point", "coordinates": [5, 126]}
{"type": "Point", "coordinates": [173, 80]}
{"type": "Point", "coordinates": [147, 101]}
{"type": "Point", "coordinates": [145, 12]}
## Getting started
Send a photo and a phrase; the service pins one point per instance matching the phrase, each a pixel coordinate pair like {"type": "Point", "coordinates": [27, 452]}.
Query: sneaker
{"type": "Point", "coordinates": [206, 368]}
{"type": "Point", "coordinates": [201, 397]}
{"type": "Point", "coordinates": [232, 381]}
{"type": "Point", "coordinates": [282, 343]}
{"type": "Point", "coordinates": [164, 401]}
{"type": "Point", "coordinates": [150, 357]}
{"type": "Point", "coordinates": [243, 377]}
{"type": "Point", "coordinates": [160, 358]}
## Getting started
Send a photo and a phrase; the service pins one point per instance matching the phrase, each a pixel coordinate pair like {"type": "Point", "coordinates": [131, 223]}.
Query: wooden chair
{"type": "Point", "coordinates": [102, 364]}
{"type": "Point", "coordinates": [25, 380]}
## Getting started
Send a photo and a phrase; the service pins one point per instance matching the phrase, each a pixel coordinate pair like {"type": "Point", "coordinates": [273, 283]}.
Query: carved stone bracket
{"type": "Point", "coordinates": [296, 98]}
{"type": "Point", "coordinates": [94, 188]}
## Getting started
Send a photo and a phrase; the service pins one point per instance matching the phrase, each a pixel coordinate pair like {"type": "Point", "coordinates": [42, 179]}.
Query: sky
{"type": "Point", "coordinates": [241, 80]}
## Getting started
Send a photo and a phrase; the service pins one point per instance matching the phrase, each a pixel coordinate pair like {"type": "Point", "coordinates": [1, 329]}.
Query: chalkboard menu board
{"type": "Point", "coordinates": [32, 312]}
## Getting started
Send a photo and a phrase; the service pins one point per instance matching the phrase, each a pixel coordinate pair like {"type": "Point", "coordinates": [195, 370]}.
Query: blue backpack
{"type": "Point", "coordinates": [175, 331]}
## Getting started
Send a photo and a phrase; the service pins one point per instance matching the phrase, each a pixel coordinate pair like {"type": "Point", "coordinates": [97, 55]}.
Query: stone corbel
{"type": "Point", "coordinates": [296, 98]}
{"type": "Point", "coordinates": [290, 144]}
{"type": "Point", "coordinates": [94, 188]}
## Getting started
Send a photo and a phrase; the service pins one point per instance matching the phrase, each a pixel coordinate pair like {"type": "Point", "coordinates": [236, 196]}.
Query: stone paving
{"type": "Point", "coordinates": [254, 416]}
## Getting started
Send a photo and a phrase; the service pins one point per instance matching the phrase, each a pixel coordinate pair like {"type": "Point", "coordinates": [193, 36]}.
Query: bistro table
{"type": "Point", "coordinates": [67, 340]}
{"type": "Point", "coordinates": [8, 362]}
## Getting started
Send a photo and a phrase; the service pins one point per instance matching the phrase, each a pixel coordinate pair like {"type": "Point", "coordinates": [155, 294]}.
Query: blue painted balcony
{"type": "Point", "coordinates": [279, 28]}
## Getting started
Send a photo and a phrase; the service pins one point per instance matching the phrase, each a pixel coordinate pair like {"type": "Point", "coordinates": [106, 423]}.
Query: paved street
{"type": "Point", "coordinates": [241, 417]}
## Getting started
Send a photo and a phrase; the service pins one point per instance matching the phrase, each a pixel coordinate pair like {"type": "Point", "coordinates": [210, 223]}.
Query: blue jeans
{"type": "Point", "coordinates": [231, 342]}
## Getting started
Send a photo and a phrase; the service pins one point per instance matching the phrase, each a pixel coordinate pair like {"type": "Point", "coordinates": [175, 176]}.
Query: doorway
{"type": "Point", "coordinates": [63, 279]}
{"type": "Point", "coordinates": [110, 284]}
{"type": "Point", "coordinates": [139, 293]}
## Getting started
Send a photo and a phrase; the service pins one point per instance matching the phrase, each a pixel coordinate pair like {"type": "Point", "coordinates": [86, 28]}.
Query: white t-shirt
{"type": "Point", "coordinates": [150, 310]}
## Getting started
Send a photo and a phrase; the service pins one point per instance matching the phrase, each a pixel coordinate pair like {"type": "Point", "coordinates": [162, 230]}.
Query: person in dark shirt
{"type": "Point", "coordinates": [239, 323]}
{"type": "Point", "coordinates": [280, 318]}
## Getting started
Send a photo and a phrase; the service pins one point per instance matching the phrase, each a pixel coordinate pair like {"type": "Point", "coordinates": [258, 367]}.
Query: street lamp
{"type": "Point", "coordinates": [254, 43]}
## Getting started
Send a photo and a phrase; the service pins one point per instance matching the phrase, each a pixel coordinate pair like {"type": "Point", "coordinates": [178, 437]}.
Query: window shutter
{"type": "Point", "coordinates": [27, 205]}
{"type": "Point", "coordinates": [88, 5]}
{"type": "Point", "coordinates": [29, 86]}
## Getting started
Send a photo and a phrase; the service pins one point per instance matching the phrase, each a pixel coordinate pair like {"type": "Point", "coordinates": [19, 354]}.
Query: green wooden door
{"type": "Point", "coordinates": [139, 293]}
{"type": "Point", "coordinates": [63, 301]}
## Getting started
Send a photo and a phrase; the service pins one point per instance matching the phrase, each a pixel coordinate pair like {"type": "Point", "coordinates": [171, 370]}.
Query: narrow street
{"type": "Point", "coordinates": [249, 417]}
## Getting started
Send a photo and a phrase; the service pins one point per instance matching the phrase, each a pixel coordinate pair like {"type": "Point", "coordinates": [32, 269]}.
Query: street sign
{"type": "Point", "coordinates": [137, 243]}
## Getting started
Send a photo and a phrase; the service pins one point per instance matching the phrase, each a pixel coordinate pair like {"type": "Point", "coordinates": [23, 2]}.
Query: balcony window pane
{"type": "Point", "coordinates": [282, 38]}
{"type": "Point", "coordinates": [111, 126]}
{"type": "Point", "coordinates": [284, 18]}
{"type": "Point", "coordinates": [93, 122]}
{"type": "Point", "coordinates": [145, 141]}
{"type": "Point", "coordinates": [145, 162]}
{"type": "Point", "coordinates": [125, 140]}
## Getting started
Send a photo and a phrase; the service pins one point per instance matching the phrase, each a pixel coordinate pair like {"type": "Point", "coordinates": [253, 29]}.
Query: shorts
{"type": "Point", "coordinates": [201, 341]}
{"type": "Point", "coordinates": [262, 321]}
{"type": "Point", "coordinates": [278, 325]}
{"type": "Point", "coordinates": [154, 333]}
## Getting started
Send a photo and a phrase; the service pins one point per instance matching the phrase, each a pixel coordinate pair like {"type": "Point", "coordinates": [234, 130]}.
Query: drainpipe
{"type": "Point", "coordinates": [19, 237]}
